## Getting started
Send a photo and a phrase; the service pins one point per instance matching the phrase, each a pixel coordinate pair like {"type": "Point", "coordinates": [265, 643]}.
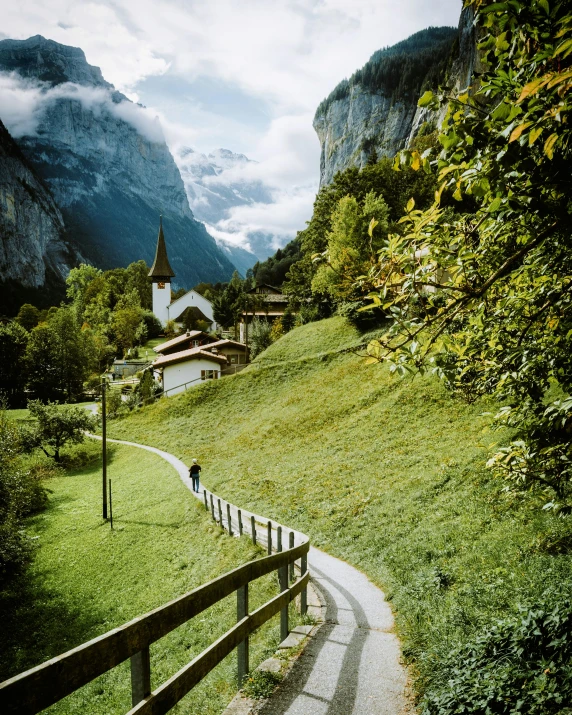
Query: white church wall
{"type": "Point", "coordinates": [190, 300]}
{"type": "Point", "coordinates": [161, 300]}
{"type": "Point", "coordinates": [175, 376]}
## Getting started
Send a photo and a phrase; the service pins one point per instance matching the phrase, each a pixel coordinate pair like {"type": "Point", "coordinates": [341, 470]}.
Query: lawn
{"type": "Point", "coordinates": [86, 579]}
{"type": "Point", "coordinates": [388, 474]}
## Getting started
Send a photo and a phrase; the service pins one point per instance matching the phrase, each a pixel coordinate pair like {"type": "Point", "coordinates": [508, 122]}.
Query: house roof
{"type": "Point", "coordinates": [275, 290]}
{"type": "Point", "coordinates": [186, 355]}
{"type": "Point", "coordinates": [225, 343]}
{"type": "Point", "coordinates": [161, 267]}
{"type": "Point", "coordinates": [197, 313]}
{"type": "Point", "coordinates": [179, 340]}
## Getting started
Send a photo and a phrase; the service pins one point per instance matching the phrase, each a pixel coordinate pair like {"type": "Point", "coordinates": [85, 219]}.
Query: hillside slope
{"type": "Point", "coordinates": [384, 473]}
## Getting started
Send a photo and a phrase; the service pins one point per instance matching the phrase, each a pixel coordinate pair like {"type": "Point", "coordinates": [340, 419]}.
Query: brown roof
{"type": "Point", "coordinates": [193, 310]}
{"type": "Point", "coordinates": [178, 340]}
{"type": "Point", "coordinates": [256, 288]}
{"type": "Point", "coordinates": [161, 267]}
{"type": "Point", "coordinates": [185, 355]}
{"type": "Point", "coordinates": [224, 343]}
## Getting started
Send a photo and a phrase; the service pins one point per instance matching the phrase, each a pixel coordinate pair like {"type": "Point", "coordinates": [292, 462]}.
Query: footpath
{"type": "Point", "coordinates": [352, 664]}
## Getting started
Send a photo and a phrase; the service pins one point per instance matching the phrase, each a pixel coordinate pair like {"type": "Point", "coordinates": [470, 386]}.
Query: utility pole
{"type": "Point", "coordinates": [104, 445]}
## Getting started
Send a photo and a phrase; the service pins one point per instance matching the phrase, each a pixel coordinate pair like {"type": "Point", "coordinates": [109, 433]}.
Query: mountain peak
{"type": "Point", "coordinates": [49, 61]}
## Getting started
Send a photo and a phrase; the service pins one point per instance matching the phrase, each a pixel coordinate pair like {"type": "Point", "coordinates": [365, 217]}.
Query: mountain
{"type": "Point", "coordinates": [216, 183]}
{"type": "Point", "coordinates": [35, 256]}
{"type": "Point", "coordinates": [376, 109]}
{"type": "Point", "coordinates": [107, 165]}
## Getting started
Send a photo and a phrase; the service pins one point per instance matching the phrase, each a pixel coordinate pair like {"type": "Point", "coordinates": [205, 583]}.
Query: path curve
{"type": "Point", "coordinates": [352, 666]}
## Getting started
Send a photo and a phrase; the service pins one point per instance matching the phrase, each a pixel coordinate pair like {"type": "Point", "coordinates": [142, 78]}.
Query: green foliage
{"type": "Point", "coordinates": [518, 664]}
{"type": "Point", "coordinates": [403, 70]}
{"type": "Point", "coordinates": [260, 336]}
{"type": "Point", "coordinates": [59, 356]}
{"type": "Point", "coordinates": [20, 495]}
{"type": "Point", "coordinates": [273, 270]}
{"type": "Point", "coordinates": [128, 323]}
{"type": "Point", "coordinates": [377, 180]}
{"type": "Point", "coordinates": [261, 684]}
{"type": "Point", "coordinates": [28, 316]}
{"type": "Point", "coordinates": [353, 242]}
{"type": "Point", "coordinates": [483, 295]}
{"type": "Point", "coordinates": [56, 426]}
{"type": "Point", "coordinates": [13, 343]}
{"type": "Point", "coordinates": [147, 387]}
{"type": "Point", "coordinates": [153, 327]}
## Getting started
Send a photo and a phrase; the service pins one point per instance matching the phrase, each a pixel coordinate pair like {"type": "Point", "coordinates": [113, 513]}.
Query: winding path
{"type": "Point", "coordinates": [351, 666]}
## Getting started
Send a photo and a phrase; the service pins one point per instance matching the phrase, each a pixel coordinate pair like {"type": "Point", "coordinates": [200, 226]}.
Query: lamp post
{"type": "Point", "coordinates": [104, 445]}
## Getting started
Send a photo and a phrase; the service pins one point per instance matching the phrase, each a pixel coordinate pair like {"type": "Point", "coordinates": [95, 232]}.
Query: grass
{"type": "Point", "coordinates": [86, 579]}
{"type": "Point", "coordinates": [388, 474]}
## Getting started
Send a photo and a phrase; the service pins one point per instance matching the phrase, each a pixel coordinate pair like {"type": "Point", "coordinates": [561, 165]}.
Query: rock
{"type": "Point", "coordinates": [108, 167]}
{"type": "Point", "coordinates": [356, 119]}
{"type": "Point", "coordinates": [34, 253]}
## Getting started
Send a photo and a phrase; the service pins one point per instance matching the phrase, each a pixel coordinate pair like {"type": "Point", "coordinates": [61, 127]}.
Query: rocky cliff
{"type": "Point", "coordinates": [34, 255]}
{"type": "Point", "coordinates": [375, 111]}
{"type": "Point", "coordinates": [107, 165]}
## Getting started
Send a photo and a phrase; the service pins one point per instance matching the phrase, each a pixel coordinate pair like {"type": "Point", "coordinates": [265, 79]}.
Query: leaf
{"type": "Point", "coordinates": [545, 6]}
{"type": "Point", "coordinates": [426, 99]}
{"type": "Point", "coordinates": [567, 44]}
{"type": "Point", "coordinates": [495, 205]}
{"type": "Point", "coordinates": [549, 145]}
{"type": "Point", "coordinates": [534, 134]}
{"type": "Point", "coordinates": [415, 161]}
{"type": "Point", "coordinates": [410, 205]}
{"type": "Point", "coordinates": [372, 224]}
{"type": "Point", "coordinates": [495, 7]}
{"type": "Point", "coordinates": [371, 361]}
{"type": "Point", "coordinates": [517, 131]}
{"type": "Point", "coordinates": [531, 89]}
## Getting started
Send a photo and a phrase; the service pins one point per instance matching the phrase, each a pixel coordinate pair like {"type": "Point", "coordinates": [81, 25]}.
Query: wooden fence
{"type": "Point", "coordinates": [42, 686]}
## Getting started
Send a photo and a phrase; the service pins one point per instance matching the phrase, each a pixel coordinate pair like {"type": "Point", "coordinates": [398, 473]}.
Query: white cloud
{"type": "Point", "coordinates": [23, 101]}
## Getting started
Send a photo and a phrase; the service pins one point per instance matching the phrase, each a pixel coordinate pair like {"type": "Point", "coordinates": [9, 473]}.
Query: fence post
{"type": "Point", "coordinates": [253, 527]}
{"type": "Point", "coordinates": [269, 529]}
{"type": "Point", "coordinates": [242, 651]}
{"type": "Point", "coordinates": [220, 513]}
{"type": "Point", "coordinates": [140, 676]}
{"type": "Point", "coordinates": [205, 495]}
{"type": "Point", "coordinates": [291, 546]}
{"type": "Point", "coordinates": [304, 594]}
{"type": "Point", "coordinates": [283, 581]}
{"type": "Point", "coordinates": [239, 522]}
{"type": "Point", "coordinates": [212, 508]}
{"type": "Point", "coordinates": [229, 519]}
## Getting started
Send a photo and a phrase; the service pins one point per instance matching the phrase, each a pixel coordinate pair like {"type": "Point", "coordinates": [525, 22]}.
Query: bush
{"type": "Point", "coordinates": [153, 324]}
{"type": "Point", "coordinates": [260, 336]}
{"type": "Point", "coordinates": [521, 664]}
{"type": "Point", "coordinates": [363, 321]}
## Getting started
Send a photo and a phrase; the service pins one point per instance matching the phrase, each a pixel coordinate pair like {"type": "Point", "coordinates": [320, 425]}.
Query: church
{"type": "Point", "coordinates": [164, 308]}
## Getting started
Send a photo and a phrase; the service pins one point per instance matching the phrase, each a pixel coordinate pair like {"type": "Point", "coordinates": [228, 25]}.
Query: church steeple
{"type": "Point", "coordinates": [161, 269]}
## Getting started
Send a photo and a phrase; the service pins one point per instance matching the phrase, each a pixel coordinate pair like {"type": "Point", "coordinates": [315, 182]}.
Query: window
{"type": "Point", "coordinates": [233, 359]}
{"type": "Point", "coordinates": [195, 343]}
{"type": "Point", "coordinates": [209, 374]}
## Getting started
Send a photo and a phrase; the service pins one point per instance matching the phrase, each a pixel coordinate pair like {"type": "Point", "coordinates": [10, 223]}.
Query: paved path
{"type": "Point", "coordinates": [352, 665]}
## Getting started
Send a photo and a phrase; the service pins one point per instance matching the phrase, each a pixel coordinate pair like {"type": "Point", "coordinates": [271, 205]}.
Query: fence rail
{"type": "Point", "coordinates": [36, 689]}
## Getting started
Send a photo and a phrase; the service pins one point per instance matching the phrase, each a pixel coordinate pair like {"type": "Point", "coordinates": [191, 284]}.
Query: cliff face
{"type": "Point", "coordinates": [34, 254]}
{"type": "Point", "coordinates": [108, 166]}
{"type": "Point", "coordinates": [377, 108]}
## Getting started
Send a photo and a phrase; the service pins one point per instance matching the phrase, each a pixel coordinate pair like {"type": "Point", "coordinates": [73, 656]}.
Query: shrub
{"type": "Point", "coordinates": [261, 684]}
{"type": "Point", "coordinates": [153, 324]}
{"type": "Point", "coordinates": [260, 336]}
{"type": "Point", "coordinates": [521, 664]}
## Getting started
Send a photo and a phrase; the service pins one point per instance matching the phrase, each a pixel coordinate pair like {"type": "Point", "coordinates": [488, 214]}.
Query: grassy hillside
{"type": "Point", "coordinates": [86, 579]}
{"type": "Point", "coordinates": [387, 474]}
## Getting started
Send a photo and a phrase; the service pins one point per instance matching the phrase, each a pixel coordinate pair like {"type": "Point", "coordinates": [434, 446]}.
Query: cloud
{"type": "Point", "coordinates": [23, 102]}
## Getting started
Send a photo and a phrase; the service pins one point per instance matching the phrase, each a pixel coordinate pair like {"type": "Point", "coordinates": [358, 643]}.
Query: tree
{"type": "Point", "coordinates": [260, 336]}
{"type": "Point", "coordinates": [56, 426]}
{"type": "Point", "coordinates": [13, 342]}
{"type": "Point", "coordinates": [352, 245]}
{"type": "Point", "coordinates": [484, 297]}
{"type": "Point", "coordinates": [127, 322]}
{"type": "Point", "coordinates": [28, 316]}
{"type": "Point", "coordinates": [59, 356]}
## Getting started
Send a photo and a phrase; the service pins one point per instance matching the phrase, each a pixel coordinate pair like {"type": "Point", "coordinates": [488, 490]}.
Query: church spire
{"type": "Point", "coordinates": [161, 268]}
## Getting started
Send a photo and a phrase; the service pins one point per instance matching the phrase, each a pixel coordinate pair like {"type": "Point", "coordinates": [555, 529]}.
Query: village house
{"type": "Point", "coordinates": [266, 303]}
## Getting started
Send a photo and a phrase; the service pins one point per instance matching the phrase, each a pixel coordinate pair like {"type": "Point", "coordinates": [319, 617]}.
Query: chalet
{"type": "Point", "coordinates": [266, 302]}
{"type": "Point", "coordinates": [182, 364]}
{"type": "Point", "coordinates": [191, 303]}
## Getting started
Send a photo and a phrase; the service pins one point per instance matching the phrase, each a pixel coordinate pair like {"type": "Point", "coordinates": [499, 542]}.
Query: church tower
{"type": "Point", "coordinates": [161, 274]}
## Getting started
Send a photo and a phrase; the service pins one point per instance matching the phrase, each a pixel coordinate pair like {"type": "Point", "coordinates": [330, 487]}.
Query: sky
{"type": "Point", "coordinates": [245, 75]}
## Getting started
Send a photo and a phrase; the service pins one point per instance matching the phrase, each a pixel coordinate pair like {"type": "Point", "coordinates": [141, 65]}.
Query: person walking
{"type": "Point", "coordinates": [194, 472]}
